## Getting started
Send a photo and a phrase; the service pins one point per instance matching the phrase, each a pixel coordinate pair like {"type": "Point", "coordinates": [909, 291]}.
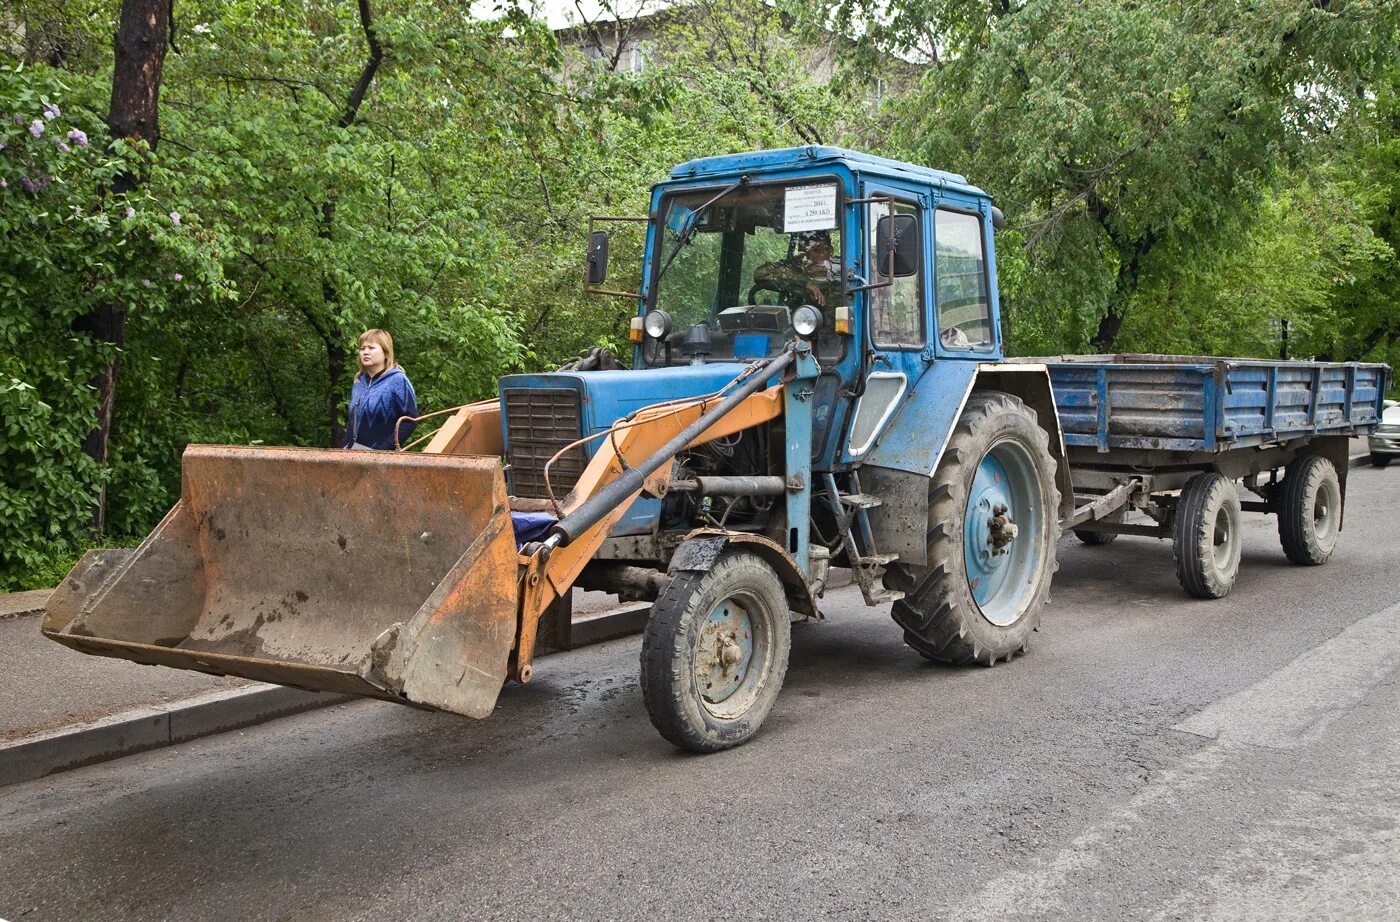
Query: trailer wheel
{"type": "Point", "coordinates": [1378, 460]}
{"type": "Point", "coordinates": [1310, 510]}
{"type": "Point", "coordinates": [1206, 536]}
{"type": "Point", "coordinates": [1100, 538]}
{"type": "Point", "coordinates": [991, 541]}
{"type": "Point", "coordinates": [715, 651]}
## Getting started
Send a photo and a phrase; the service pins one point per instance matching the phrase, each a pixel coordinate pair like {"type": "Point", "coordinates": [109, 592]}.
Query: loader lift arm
{"type": "Point", "coordinates": [614, 478]}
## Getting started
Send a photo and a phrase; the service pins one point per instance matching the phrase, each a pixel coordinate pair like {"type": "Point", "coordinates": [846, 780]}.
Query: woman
{"type": "Point", "coordinates": [382, 393]}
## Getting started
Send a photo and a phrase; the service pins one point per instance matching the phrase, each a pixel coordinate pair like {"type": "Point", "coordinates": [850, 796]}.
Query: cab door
{"type": "Point", "coordinates": [894, 314]}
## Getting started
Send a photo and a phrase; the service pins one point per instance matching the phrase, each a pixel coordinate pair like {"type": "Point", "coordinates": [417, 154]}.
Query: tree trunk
{"type": "Point", "coordinates": [133, 116]}
{"type": "Point", "coordinates": [336, 353]}
{"type": "Point", "coordinates": [1130, 260]}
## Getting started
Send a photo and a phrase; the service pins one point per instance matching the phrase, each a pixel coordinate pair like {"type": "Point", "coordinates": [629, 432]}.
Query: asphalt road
{"type": "Point", "coordinates": [1154, 757]}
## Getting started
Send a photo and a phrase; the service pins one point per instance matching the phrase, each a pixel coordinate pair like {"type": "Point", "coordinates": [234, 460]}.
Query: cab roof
{"type": "Point", "coordinates": [789, 158]}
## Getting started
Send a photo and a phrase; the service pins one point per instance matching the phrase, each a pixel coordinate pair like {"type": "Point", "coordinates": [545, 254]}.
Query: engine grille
{"type": "Point", "coordinates": [539, 422]}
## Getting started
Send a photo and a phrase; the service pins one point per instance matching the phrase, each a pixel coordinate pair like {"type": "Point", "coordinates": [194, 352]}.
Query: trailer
{"type": "Point", "coordinates": [1171, 436]}
{"type": "Point", "coordinates": [818, 379]}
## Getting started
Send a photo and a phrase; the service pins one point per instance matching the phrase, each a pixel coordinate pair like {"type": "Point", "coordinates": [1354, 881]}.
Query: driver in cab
{"type": "Point", "coordinates": [811, 274]}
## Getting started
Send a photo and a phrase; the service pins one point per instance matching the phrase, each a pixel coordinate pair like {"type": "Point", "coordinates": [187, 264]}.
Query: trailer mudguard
{"type": "Point", "coordinates": [911, 444]}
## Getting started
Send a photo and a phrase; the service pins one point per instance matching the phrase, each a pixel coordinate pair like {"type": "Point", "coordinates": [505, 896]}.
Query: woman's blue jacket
{"type": "Point", "coordinates": [375, 404]}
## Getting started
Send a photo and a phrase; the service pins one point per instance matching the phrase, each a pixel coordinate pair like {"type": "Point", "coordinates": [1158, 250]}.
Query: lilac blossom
{"type": "Point", "coordinates": [63, 147]}
{"type": "Point", "coordinates": [51, 111]}
{"type": "Point", "coordinates": [145, 283]}
{"type": "Point", "coordinates": [36, 128]}
{"type": "Point", "coordinates": [130, 212]}
{"type": "Point", "coordinates": [78, 137]}
{"type": "Point", "coordinates": [175, 218]}
{"type": "Point", "coordinates": [179, 277]}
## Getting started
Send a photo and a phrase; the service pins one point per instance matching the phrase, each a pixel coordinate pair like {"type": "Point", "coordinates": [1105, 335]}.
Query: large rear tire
{"type": "Point", "coordinates": [715, 652]}
{"type": "Point", "coordinates": [980, 594]}
{"type": "Point", "coordinates": [1310, 510]}
{"type": "Point", "coordinates": [1206, 536]}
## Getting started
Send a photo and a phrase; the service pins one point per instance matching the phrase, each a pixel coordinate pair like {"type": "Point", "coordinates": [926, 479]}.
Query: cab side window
{"type": "Point", "coordinates": [960, 281]}
{"type": "Point", "coordinates": [896, 310]}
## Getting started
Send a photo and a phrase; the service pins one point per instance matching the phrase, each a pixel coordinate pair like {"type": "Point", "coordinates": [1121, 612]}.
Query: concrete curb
{"type": "Point", "coordinates": [152, 728]}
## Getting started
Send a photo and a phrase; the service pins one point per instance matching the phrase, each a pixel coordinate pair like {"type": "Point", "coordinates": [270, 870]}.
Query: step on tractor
{"type": "Point", "coordinates": [817, 381]}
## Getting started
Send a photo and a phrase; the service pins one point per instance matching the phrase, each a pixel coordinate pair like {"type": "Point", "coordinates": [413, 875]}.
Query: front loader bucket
{"type": "Point", "coordinates": [368, 573]}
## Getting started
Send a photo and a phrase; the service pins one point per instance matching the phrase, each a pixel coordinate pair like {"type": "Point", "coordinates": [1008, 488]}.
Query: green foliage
{"type": "Point", "coordinates": [1134, 146]}
{"type": "Point", "coordinates": [68, 247]}
{"type": "Point", "coordinates": [1197, 172]}
{"type": "Point", "coordinates": [448, 204]}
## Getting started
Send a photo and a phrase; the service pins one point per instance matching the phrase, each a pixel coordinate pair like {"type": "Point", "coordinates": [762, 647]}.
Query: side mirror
{"type": "Point", "coordinates": [597, 271]}
{"type": "Point", "coordinates": [897, 239]}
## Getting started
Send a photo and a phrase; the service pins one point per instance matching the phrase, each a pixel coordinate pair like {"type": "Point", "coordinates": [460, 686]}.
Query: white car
{"type": "Point", "coordinates": [1385, 442]}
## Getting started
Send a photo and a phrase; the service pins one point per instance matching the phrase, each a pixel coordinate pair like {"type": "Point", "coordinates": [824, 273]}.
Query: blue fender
{"type": "Point", "coordinates": [915, 436]}
{"type": "Point", "coordinates": [907, 452]}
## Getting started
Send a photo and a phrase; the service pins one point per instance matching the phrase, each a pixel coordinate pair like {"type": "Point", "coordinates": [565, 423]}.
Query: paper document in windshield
{"type": "Point", "coordinates": [809, 208]}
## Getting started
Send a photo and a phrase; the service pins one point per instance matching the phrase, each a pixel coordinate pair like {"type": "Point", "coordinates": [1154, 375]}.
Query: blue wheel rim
{"type": "Point", "coordinates": [1002, 578]}
{"type": "Point", "coordinates": [733, 650]}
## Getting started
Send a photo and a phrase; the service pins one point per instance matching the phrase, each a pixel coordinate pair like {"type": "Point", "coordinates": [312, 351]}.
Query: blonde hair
{"type": "Point", "coordinates": [384, 341]}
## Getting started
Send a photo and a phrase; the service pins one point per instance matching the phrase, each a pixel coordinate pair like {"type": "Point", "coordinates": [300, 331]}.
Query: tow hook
{"type": "Point", "coordinates": [1003, 530]}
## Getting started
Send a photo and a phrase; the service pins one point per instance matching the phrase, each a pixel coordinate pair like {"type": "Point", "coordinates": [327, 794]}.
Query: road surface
{"type": "Point", "coordinates": [1154, 757]}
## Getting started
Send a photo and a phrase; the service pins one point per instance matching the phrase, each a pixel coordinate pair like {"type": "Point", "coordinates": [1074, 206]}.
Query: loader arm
{"type": "Point", "coordinates": [546, 573]}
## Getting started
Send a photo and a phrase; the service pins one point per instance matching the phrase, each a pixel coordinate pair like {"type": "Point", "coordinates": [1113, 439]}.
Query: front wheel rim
{"type": "Point", "coordinates": [1003, 527]}
{"type": "Point", "coordinates": [733, 651]}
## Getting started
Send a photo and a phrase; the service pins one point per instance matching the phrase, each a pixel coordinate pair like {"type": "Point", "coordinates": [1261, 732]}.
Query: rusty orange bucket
{"type": "Point", "coordinates": [382, 574]}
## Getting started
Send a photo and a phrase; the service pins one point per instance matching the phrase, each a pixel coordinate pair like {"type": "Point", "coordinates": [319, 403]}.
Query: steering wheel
{"type": "Point", "coordinates": [788, 293]}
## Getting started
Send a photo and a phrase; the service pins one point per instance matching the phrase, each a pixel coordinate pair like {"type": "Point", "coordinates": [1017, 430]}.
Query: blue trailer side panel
{"type": "Point", "coordinates": [1171, 403]}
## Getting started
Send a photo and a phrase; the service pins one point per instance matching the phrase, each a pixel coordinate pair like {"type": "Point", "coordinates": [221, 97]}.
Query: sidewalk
{"type": "Point", "coordinates": [45, 685]}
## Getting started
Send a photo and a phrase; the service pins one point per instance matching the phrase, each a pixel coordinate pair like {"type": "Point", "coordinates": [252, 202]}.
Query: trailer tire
{"type": "Point", "coordinates": [1310, 510]}
{"type": "Point", "coordinates": [1100, 538]}
{"type": "Point", "coordinates": [942, 617]}
{"type": "Point", "coordinates": [1378, 460]}
{"type": "Point", "coordinates": [728, 626]}
{"type": "Point", "coordinates": [1206, 536]}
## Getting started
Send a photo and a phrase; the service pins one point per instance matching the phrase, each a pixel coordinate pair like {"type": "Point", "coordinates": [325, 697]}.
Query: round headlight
{"type": "Point", "coordinates": [806, 320]}
{"type": "Point", "coordinates": [657, 324]}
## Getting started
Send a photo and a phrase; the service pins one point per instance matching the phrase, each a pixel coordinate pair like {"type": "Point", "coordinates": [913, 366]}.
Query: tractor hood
{"type": "Point", "coordinates": [607, 396]}
{"type": "Point", "coordinates": [542, 413]}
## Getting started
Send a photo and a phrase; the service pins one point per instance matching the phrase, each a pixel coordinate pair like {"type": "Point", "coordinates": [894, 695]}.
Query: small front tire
{"type": "Point", "coordinates": [1206, 536]}
{"type": "Point", "coordinates": [715, 652]}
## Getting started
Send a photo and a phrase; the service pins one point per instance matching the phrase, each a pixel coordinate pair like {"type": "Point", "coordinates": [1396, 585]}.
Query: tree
{"type": "Point", "coordinates": [1121, 138]}
{"type": "Point", "coordinates": [133, 118]}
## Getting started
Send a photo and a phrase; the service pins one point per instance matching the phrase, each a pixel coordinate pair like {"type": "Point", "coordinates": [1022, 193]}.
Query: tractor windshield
{"type": "Point", "coordinates": [729, 275]}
